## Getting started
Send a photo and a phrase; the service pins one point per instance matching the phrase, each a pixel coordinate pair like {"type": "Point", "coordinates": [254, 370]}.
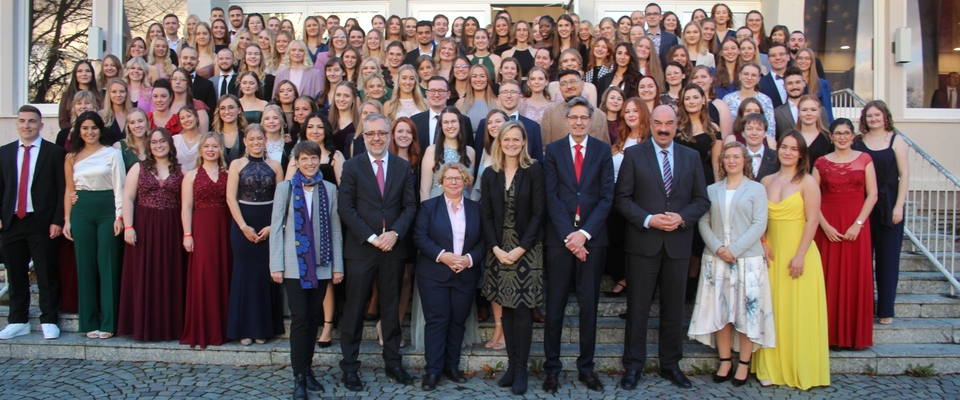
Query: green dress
{"type": "Point", "coordinates": [486, 62]}
{"type": "Point", "coordinates": [129, 157]}
{"type": "Point", "coordinates": [519, 285]}
{"type": "Point", "coordinates": [253, 117]}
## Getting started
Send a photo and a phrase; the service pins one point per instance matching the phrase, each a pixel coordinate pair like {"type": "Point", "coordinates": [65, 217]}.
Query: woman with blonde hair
{"type": "Point", "coordinates": [374, 87]}
{"type": "Point", "coordinates": [110, 68]}
{"type": "Point", "coordinates": [296, 60]}
{"type": "Point", "coordinates": [189, 32]}
{"type": "Point", "coordinates": [204, 44]}
{"type": "Point", "coordinates": [270, 58]}
{"type": "Point", "coordinates": [313, 36]}
{"type": "Point", "coordinates": [407, 99]}
{"type": "Point", "coordinates": [241, 40]}
{"type": "Point", "coordinates": [816, 85]}
{"type": "Point", "coordinates": [750, 53]}
{"type": "Point", "coordinates": [116, 105]}
{"type": "Point", "coordinates": [812, 129]}
{"type": "Point", "coordinates": [134, 147]}
{"type": "Point", "coordinates": [373, 45]}
{"type": "Point", "coordinates": [479, 97]}
{"type": "Point", "coordinates": [282, 42]}
{"type": "Point", "coordinates": [447, 51]}
{"type": "Point", "coordinates": [253, 62]}
{"type": "Point", "coordinates": [695, 45]}
{"type": "Point", "coordinates": [158, 57]}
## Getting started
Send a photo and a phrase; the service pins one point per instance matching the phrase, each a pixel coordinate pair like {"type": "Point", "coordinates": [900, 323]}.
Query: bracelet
{"type": "Point", "coordinates": [763, 240]}
{"type": "Point", "coordinates": [188, 235]}
{"type": "Point", "coordinates": [243, 227]}
{"type": "Point", "coordinates": [120, 218]}
{"type": "Point", "coordinates": [128, 227]}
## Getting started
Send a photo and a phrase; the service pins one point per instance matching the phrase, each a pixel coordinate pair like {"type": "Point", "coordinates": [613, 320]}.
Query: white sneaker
{"type": "Point", "coordinates": [14, 330]}
{"type": "Point", "coordinates": [50, 331]}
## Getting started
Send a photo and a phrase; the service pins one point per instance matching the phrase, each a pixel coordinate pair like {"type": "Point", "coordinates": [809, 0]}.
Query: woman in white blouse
{"type": "Point", "coordinates": [95, 172]}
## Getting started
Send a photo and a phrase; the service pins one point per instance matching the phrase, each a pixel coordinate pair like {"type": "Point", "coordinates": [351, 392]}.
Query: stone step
{"type": "Point", "coordinates": [880, 359]}
{"type": "Point", "coordinates": [922, 283]}
{"type": "Point", "coordinates": [926, 306]}
{"type": "Point", "coordinates": [935, 242]}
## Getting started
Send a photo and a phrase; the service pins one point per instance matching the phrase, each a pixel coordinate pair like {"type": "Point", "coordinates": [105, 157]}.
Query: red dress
{"type": "Point", "coordinates": [172, 126]}
{"type": "Point", "coordinates": [847, 266]}
{"type": "Point", "coordinates": [151, 292]}
{"type": "Point", "coordinates": [208, 273]}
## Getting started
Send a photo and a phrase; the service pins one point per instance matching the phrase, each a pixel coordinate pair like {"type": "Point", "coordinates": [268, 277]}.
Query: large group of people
{"type": "Point", "coordinates": [450, 170]}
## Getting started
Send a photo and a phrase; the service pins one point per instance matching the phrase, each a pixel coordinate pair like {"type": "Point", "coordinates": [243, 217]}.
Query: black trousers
{"type": "Point", "coordinates": [518, 335]}
{"type": "Point", "coordinates": [565, 268]}
{"type": "Point", "coordinates": [387, 271]}
{"type": "Point", "coordinates": [23, 240]}
{"type": "Point", "coordinates": [643, 275]}
{"type": "Point", "coordinates": [306, 308]}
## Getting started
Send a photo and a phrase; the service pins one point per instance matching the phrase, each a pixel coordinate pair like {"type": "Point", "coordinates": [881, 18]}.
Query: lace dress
{"type": "Point", "coordinates": [534, 112]}
{"type": "Point", "coordinates": [406, 108]}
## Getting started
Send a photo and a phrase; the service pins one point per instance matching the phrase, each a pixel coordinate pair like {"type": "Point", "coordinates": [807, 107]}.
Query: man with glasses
{"type": "Point", "coordinates": [662, 39]}
{"type": "Point", "coordinates": [578, 174]}
{"type": "Point", "coordinates": [377, 204]}
{"type": "Point", "coordinates": [509, 98]}
{"type": "Point", "coordinates": [428, 122]}
{"type": "Point", "coordinates": [425, 39]}
{"type": "Point", "coordinates": [772, 83]}
{"type": "Point", "coordinates": [553, 126]}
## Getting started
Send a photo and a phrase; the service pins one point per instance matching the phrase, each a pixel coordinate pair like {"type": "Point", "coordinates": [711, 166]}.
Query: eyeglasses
{"type": "Point", "coordinates": [461, 66]}
{"type": "Point", "coordinates": [568, 83]}
{"type": "Point", "coordinates": [376, 133]}
{"type": "Point", "coordinates": [340, 36]}
{"type": "Point", "coordinates": [842, 134]}
{"type": "Point", "coordinates": [578, 118]}
{"type": "Point", "coordinates": [453, 179]}
{"type": "Point", "coordinates": [435, 92]}
{"type": "Point", "coordinates": [509, 92]}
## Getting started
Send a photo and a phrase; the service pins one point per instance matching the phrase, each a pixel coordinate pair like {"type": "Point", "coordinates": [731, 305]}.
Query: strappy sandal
{"type": "Point", "coordinates": [105, 335]}
{"type": "Point", "coordinates": [740, 382]}
{"type": "Point", "coordinates": [717, 378]}
{"type": "Point", "coordinates": [93, 335]}
{"type": "Point", "coordinates": [615, 293]}
{"type": "Point", "coordinates": [246, 342]}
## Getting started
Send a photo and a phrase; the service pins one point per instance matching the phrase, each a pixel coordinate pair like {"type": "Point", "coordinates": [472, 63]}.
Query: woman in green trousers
{"type": "Point", "coordinates": [94, 174]}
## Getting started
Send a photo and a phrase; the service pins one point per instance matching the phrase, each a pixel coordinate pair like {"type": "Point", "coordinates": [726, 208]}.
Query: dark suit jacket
{"type": "Point", "coordinates": [594, 193]}
{"type": "Point", "coordinates": [667, 40]}
{"type": "Point", "coordinates": [640, 193]}
{"type": "Point", "coordinates": [785, 121]}
{"type": "Point", "coordinates": [534, 141]}
{"type": "Point", "coordinates": [411, 57]}
{"type": "Point", "coordinates": [204, 91]}
{"type": "Point", "coordinates": [433, 234]}
{"type": "Point", "coordinates": [769, 88]}
{"type": "Point", "coordinates": [232, 88]}
{"type": "Point", "coordinates": [941, 100]}
{"type": "Point", "coordinates": [266, 87]}
{"type": "Point", "coordinates": [769, 164]}
{"type": "Point", "coordinates": [529, 209]}
{"type": "Point", "coordinates": [364, 211]}
{"type": "Point", "coordinates": [629, 85]}
{"type": "Point", "coordinates": [46, 191]}
{"type": "Point", "coordinates": [422, 122]}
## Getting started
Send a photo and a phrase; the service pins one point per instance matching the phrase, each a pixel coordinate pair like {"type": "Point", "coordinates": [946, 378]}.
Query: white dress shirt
{"type": "Point", "coordinates": [373, 164]}
{"type": "Point", "coordinates": [780, 88]}
{"type": "Point", "coordinates": [660, 156]}
{"type": "Point", "coordinates": [573, 153]}
{"type": "Point", "coordinates": [756, 160]}
{"type": "Point", "coordinates": [34, 153]}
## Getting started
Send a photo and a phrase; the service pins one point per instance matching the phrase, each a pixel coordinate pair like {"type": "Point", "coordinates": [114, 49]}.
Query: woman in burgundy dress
{"type": "Point", "coordinates": [206, 236]}
{"type": "Point", "coordinates": [151, 292]}
{"type": "Point", "coordinates": [848, 187]}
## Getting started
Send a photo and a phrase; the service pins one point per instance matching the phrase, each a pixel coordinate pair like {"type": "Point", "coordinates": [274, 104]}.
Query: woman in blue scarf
{"type": "Point", "coordinates": [305, 253]}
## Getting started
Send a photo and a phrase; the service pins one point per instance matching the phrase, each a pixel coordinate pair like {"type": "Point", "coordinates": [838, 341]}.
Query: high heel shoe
{"type": "Point", "coordinates": [740, 382]}
{"type": "Point", "coordinates": [615, 293]}
{"type": "Point", "coordinates": [717, 378]}
{"type": "Point", "coordinates": [325, 344]}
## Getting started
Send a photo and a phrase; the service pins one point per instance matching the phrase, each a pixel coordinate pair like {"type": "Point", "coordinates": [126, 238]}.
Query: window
{"type": "Point", "coordinates": [933, 75]}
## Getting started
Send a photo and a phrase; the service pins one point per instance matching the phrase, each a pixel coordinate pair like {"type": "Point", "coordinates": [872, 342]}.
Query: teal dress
{"type": "Point", "coordinates": [129, 157]}
{"type": "Point", "coordinates": [253, 117]}
{"type": "Point", "coordinates": [486, 62]}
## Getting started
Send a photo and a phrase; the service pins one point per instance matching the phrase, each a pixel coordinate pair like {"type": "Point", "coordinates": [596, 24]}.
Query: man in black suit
{"type": "Point", "coordinates": [946, 97]}
{"type": "Point", "coordinates": [663, 40]}
{"type": "Point", "coordinates": [202, 87]}
{"type": "Point", "coordinates": [662, 193]}
{"type": "Point", "coordinates": [425, 39]}
{"type": "Point", "coordinates": [510, 103]}
{"type": "Point", "coordinates": [377, 204]}
{"type": "Point", "coordinates": [428, 122]}
{"type": "Point", "coordinates": [786, 115]}
{"type": "Point", "coordinates": [31, 180]}
{"type": "Point", "coordinates": [225, 75]}
{"type": "Point", "coordinates": [772, 84]}
{"type": "Point", "coordinates": [763, 158]}
{"type": "Point", "coordinates": [578, 175]}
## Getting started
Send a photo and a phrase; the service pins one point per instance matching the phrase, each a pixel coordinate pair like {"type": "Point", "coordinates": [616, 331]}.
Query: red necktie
{"type": "Point", "coordinates": [577, 168]}
{"type": "Point", "coordinates": [24, 179]}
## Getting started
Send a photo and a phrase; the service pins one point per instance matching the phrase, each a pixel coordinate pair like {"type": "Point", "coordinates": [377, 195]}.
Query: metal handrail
{"type": "Point", "coordinates": [931, 223]}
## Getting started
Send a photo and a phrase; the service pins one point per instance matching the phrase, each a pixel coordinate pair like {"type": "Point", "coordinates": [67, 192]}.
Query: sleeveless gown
{"type": "Point", "coordinates": [847, 266]}
{"type": "Point", "coordinates": [151, 290]}
{"type": "Point", "coordinates": [802, 357]}
{"type": "Point", "coordinates": [255, 309]}
{"type": "Point", "coordinates": [208, 267]}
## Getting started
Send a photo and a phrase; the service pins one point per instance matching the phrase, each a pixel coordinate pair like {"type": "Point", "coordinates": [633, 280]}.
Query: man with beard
{"type": "Point", "coordinates": [797, 41]}
{"type": "Point", "coordinates": [662, 193]}
{"type": "Point", "coordinates": [425, 39]}
{"type": "Point", "coordinates": [553, 126]}
{"type": "Point", "coordinates": [202, 87]}
{"type": "Point", "coordinates": [786, 115]}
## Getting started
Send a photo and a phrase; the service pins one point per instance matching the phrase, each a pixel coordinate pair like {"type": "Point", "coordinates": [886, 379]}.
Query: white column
{"type": "Point", "coordinates": [202, 8]}
{"type": "Point", "coordinates": [784, 12]}
{"type": "Point", "coordinates": [108, 16]}
{"type": "Point", "coordinates": [14, 42]}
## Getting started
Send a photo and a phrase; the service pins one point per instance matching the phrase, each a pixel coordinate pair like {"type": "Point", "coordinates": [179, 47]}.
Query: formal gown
{"type": "Point", "coordinates": [534, 112]}
{"type": "Point", "coordinates": [519, 285]}
{"type": "Point", "coordinates": [151, 289]}
{"type": "Point", "coordinates": [802, 357]}
{"type": "Point", "coordinates": [847, 266]}
{"type": "Point", "coordinates": [187, 155]}
{"type": "Point", "coordinates": [733, 293]}
{"type": "Point", "coordinates": [208, 267]}
{"type": "Point", "coordinates": [820, 147]}
{"type": "Point", "coordinates": [256, 302]}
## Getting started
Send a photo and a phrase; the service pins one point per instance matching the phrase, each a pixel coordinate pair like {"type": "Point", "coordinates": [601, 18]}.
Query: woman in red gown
{"type": "Point", "coordinates": [206, 236]}
{"type": "Point", "coordinates": [848, 187]}
{"type": "Point", "coordinates": [151, 292]}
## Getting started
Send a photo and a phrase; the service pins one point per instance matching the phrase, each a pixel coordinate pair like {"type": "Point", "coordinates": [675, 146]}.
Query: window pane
{"type": "Point", "coordinates": [58, 33]}
{"type": "Point", "coordinates": [841, 33]}
{"type": "Point", "coordinates": [932, 74]}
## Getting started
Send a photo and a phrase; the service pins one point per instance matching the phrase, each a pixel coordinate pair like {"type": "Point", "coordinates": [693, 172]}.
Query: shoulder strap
{"type": "Point", "coordinates": [892, 138]}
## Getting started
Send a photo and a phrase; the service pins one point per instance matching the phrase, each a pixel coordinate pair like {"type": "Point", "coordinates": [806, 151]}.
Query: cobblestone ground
{"type": "Point", "coordinates": [69, 379]}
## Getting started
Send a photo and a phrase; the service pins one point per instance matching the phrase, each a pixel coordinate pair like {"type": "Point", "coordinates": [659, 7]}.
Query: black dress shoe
{"type": "Point", "coordinates": [507, 379]}
{"type": "Point", "coordinates": [592, 381]}
{"type": "Point", "coordinates": [676, 377]}
{"type": "Point", "coordinates": [630, 379]}
{"type": "Point", "coordinates": [398, 375]}
{"type": "Point", "coordinates": [455, 375]}
{"type": "Point", "coordinates": [550, 384]}
{"type": "Point", "coordinates": [430, 381]}
{"type": "Point", "coordinates": [300, 387]}
{"type": "Point", "coordinates": [351, 381]}
{"type": "Point", "coordinates": [313, 384]}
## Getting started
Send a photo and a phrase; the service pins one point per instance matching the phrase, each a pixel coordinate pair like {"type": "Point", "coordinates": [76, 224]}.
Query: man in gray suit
{"type": "Point", "coordinates": [786, 115]}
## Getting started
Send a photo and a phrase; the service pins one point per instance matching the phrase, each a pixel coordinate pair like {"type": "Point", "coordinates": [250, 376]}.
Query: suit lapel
{"type": "Point", "coordinates": [567, 160]}
{"type": "Point", "coordinates": [677, 167]}
{"type": "Point", "coordinates": [41, 158]}
{"type": "Point", "coordinates": [654, 162]}
{"type": "Point", "coordinates": [443, 221]}
{"type": "Point", "coordinates": [368, 169]}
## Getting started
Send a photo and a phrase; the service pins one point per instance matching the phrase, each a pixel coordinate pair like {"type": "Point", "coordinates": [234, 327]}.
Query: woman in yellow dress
{"type": "Point", "coordinates": [801, 358]}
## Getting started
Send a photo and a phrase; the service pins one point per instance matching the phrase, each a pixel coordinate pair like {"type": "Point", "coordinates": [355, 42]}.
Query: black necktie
{"type": "Point", "coordinates": [224, 81]}
{"type": "Point", "coordinates": [436, 132]}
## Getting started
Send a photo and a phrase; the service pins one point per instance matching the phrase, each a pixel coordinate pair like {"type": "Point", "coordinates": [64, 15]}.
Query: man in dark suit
{"type": "Point", "coordinates": [226, 75]}
{"type": "Point", "coordinates": [425, 39]}
{"type": "Point", "coordinates": [763, 158]}
{"type": "Point", "coordinates": [449, 236]}
{"type": "Point", "coordinates": [428, 122]}
{"type": "Point", "coordinates": [663, 40]}
{"type": "Point", "coordinates": [510, 103]}
{"type": "Point", "coordinates": [377, 204]}
{"type": "Point", "coordinates": [662, 193]}
{"type": "Point", "coordinates": [578, 175]}
{"type": "Point", "coordinates": [31, 217]}
{"type": "Point", "coordinates": [786, 115]}
{"type": "Point", "coordinates": [946, 97]}
{"type": "Point", "coordinates": [772, 84]}
{"type": "Point", "coordinates": [202, 87]}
